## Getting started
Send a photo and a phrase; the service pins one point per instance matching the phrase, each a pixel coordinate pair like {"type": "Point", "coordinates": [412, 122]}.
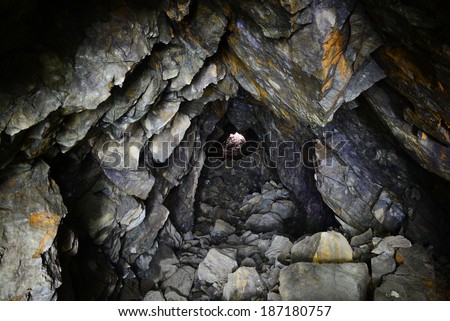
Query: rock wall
{"type": "Point", "coordinates": [108, 186]}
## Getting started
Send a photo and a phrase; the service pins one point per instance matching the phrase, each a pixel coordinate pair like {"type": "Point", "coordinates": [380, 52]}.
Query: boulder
{"type": "Point", "coordinates": [389, 244]}
{"type": "Point", "coordinates": [361, 239]}
{"type": "Point", "coordinates": [222, 229]}
{"type": "Point", "coordinates": [243, 284]}
{"type": "Point", "coordinates": [180, 282]}
{"type": "Point", "coordinates": [414, 279]}
{"type": "Point", "coordinates": [261, 223]}
{"type": "Point", "coordinates": [381, 265]}
{"type": "Point", "coordinates": [280, 246]}
{"type": "Point", "coordinates": [324, 282]}
{"type": "Point", "coordinates": [323, 247]}
{"type": "Point", "coordinates": [216, 266]}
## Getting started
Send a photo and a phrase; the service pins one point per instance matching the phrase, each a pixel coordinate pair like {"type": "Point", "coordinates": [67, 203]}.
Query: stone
{"type": "Point", "coordinates": [180, 201]}
{"type": "Point", "coordinates": [179, 10]}
{"type": "Point", "coordinates": [222, 229]}
{"type": "Point", "coordinates": [134, 183]}
{"type": "Point", "coordinates": [381, 265]}
{"type": "Point", "coordinates": [102, 59]}
{"type": "Point", "coordinates": [211, 73]}
{"type": "Point", "coordinates": [120, 103]}
{"type": "Point", "coordinates": [309, 77]}
{"type": "Point", "coordinates": [243, 284]}
{"type": "Point", "coordinates": [163, 144]}
{"type": "Point", "coordinates": [250, 238]}
{"type": "Point", "coordinates": [362, 253]}
{"type": "Point", "coordinates": [169, 235]}
{"type": "Point", "coordinates": [280, 246]}
{"type": "Point", "coordinates": [141, 239]}
{"type": "Point", "coordinates": [120, 148]}
{"type": "Point", "coordinates": [272, 296]}
{"type": "Point", "coordinates": [323, 247]}
{"type": "Point", "coordinates": [216, 266]}
{"type": "Point", "coordinates": [388, 214]}
{"type": "Point", "coordinates": [180, 282]}
{"type": "Point", "coordinates": [273, 277]}
{"type": "Point", "coordinates": [248, 262]}
{"type": "Point", "coordinates": [31, 211]}
{"type": "Point", "coordinates": [352, 184]}
{"type": "Point", "coordinates": [160, 115]}
{"type": "Point", "coordinates": [172, 295]}
{"type": "Point", "coordinates": [132, 101]}
{"type": "Point", "coordinates": [414, 279]}
{"type": "Point", "coordinates": [389, 244]}
{"type": "Point", "coordinates": [157, 267]}
{"type": "Point", "coordinates": [130, 290]}
{"type": "Point", "coordinates": [284, 208]}
{"type": "Point", "coordinates": [245, 251]}
{"type": "Point", "coordinates": [423, 109]}
{"type": "Point", "coordinates": [261, 223]}
{"type": "Point", "coordinates": [199, 41]}
{"type": "Point", "coordinates": [422, 227]}
{"type": "Point", "coordinates": [361, 239]}
{"type": "Point", "coordinates": [154, 296]}
{"type": "Point", "coordinates": [78, 125]}
{"type": "Point", "coordinates": [324, 282]}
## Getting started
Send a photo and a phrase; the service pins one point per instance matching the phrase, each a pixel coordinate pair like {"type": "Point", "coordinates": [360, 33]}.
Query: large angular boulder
{"type": "Point", "coordinates": [324, 282]}
{"type": "Point", "coordinates": [216, 266]}
{"type": "Point", "coordinates": [243, 284]}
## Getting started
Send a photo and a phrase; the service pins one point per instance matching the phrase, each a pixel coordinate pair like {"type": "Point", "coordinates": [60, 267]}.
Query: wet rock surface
{"type": "Point", "coordinates": [224, 150]}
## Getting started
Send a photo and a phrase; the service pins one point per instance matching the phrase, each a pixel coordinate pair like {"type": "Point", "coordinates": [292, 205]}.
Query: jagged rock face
{"type": "Point", "coordinates": [30, 218]}
{"type": "Point", "coordinates": [109, 187]}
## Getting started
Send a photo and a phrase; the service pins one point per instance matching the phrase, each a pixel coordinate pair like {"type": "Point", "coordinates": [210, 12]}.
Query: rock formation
{"type": "Point", "coordinates": [224, 150]}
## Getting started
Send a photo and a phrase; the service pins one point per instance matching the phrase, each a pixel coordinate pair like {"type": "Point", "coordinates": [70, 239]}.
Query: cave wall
{"type": "Point", "coordinates": [105, 107]}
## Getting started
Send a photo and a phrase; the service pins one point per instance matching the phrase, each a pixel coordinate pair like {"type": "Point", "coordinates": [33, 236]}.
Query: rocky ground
{"type": "Point", "coordinates": [245, 255]}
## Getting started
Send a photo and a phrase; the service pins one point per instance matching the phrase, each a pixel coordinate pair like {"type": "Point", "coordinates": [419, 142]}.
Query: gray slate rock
{"type": "Point", "coordinates": [172, 295]}
{"type": "Point", "coordinates": [135, 183]}
{"type": "Point", "coordinates": [243, 284]}
{"type": "Point", "coordinates": [154, 296]}
{"type": "Point", "coordinates": [261, 223]}
{"type": "Point", "coordinates": [222, 229]}
{"type": "Point", "coordinates": [164, 143]}
{"type": "Point", "coordinates": [142, 238]}
{"type": "Point", "coordinates": [248, 262]}
{"type": "Point", "coordinates": [157, 267]}
{"type": "Point", "coordinates": [381, 265]}
{"type": "Point", "coordinates": [280, 246]}
{"type": "Point", "coordinates": [106, 208]}
{"type": "Point", "coordinates": [389, 244]}
{"type": "Point", "coordinates": [181, 282]}
{"type": "Point", "coordinates": [361, 239]}
{"type": "Point", "coordinates": [272, 296]}
{"type": "Point", "coordinates": [30, 212]}
{"type": "Point", "coordinates": [216, 266]}
{"type": "Point", "coordinates": [324, 282]}
{"type": "Point", "coordinates": [414, 279]}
